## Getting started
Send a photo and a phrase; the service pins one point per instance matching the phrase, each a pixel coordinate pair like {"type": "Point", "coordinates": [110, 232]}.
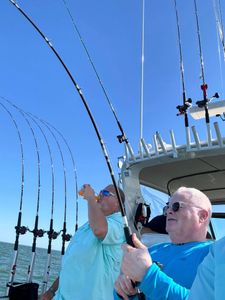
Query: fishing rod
{"type": "Point", "coordinates": [203, 103]}
{"type": "Point", "coordinates": [20, 230]}
{"type": "Point", "coordinates": [186, 102]}
{"type": "Point", "coordinates": [122, 137]}
{"type": "Point", "coordinates": [127, 230]}
{"type": "Point", "coordinates": [74, 170]}
{"type": "Point", "coordinates": [65, 237]}
{"type": "Point", "coordinates": [52, 234]}
{"type": "Point", "coordinates": [36, 231]}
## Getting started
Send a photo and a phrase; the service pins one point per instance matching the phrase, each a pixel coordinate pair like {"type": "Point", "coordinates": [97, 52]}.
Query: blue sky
{"type": "Point", "coordinates": [34, 80]}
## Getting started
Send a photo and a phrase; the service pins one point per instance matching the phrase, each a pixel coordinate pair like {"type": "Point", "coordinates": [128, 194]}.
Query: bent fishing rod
{"type": "Point", "coordinates": [122, 137]}
{"type": "Point", "coordinates": [20, 230]}
{"type": "Point", "coordinates": [73, 163]}
{"type": "Point", "coordinates": [65, 236]}
{"type": "Point", "coordinates": [52, 234]}
{"type": "Point", "coordinates": [186, 102]}
{"type": "Point", "coordinates": [36, 231]}
{"type": "Point", "coordinates": [74, 169]}
{"type": "Point", "coordinates": [127, 230]}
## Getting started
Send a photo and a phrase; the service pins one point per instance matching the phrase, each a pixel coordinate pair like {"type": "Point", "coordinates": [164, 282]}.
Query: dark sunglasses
{"type": "Point", "coordinates": [106, 193]}
{"type": "Point", "coordinates": [175, 207]}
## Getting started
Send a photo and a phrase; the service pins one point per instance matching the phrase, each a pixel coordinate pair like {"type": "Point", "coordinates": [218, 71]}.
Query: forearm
{"type": "Point", "coordinates": [97, 219]}
{"type": "Point", "coordinates": [55, 285]}
{"type": "Point", "coordinates": [50, 293]}
{"type": "Point", "coordinates": [157, 285]}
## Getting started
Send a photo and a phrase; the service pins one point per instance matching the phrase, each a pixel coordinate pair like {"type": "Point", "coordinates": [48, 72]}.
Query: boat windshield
{"type": "Point", "coordinates": [156, 199]}
{"type": "Point", "coordinates": [218, 223]}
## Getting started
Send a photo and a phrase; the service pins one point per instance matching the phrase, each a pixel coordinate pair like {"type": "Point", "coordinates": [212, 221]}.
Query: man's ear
{"type": "Point", "coordinates": [203, 215]}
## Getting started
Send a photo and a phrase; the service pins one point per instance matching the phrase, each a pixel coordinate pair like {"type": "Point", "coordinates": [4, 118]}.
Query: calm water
{"type": "Point", "coordinates": [24, 257]}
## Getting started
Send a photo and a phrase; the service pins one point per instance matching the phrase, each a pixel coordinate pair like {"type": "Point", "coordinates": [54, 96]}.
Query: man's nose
{"type": "Point", "coordinates": [170, 211]}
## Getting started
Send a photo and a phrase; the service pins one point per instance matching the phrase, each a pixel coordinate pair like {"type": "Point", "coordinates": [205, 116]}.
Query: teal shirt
{"type": "Point", "coordinates": [210, 280]}
{"type": "Point", "coordinates": [90, 266]}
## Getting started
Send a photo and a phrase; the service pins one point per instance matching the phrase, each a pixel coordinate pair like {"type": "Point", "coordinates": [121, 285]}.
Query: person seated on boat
{"type": "Point", "coordinates": [167, 271]}
{"type": "Point", "coordinates": [209, 281]}
{"type": "Point", "coordinates": [154, 232]}
{"type": "Point", "coordinates": [92, 260]}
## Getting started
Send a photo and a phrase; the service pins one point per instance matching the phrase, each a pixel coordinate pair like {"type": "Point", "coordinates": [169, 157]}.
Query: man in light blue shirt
{"type": "Point", "coordinates": [210, 280]}
{"type": "Point", "coordinates": [92, 260]}
{"type": "Point", "coordinates": [167, 271]}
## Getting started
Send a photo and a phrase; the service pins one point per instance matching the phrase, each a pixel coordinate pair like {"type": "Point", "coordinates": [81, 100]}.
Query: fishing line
{"type": "Point", "coordinates": [36, 232]}
{"type": "Point", "coordinates": [20, 230]}
{"type": "Point", "coordinates": [127, 230]}
{"type": "Point", "coordinates": [122, 137]}
{"type": "Point", "coordinates": [186, 102]}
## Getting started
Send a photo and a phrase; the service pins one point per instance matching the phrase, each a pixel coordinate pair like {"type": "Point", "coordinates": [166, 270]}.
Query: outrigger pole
{"type": "Point", "coordinates": [127, 229]}
{"type": "Point", "coordinates": [20, 230]}
{"type": "Point", "coordinates": [186, 102]}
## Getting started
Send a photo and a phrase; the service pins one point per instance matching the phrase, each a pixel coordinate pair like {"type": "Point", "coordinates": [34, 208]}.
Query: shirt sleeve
{"type": "Point", "coordinates": [157, 286]}
{"type": "Point", "coordinates": [202, 287]}
{"type": "Point", "coordinates": [115, 233]}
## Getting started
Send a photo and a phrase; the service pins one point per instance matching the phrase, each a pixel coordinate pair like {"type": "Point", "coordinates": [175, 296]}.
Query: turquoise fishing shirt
{"type": "Point", "coordinates": [180, 263]}
{"type": "Point", "coordinates": [210, 280]}
{"type": "Point", "coordinates": [90, 266]}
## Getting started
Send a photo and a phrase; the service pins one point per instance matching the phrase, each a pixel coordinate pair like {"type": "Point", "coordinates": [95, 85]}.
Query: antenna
{"type": "Point", "coordinates": [142, 68]}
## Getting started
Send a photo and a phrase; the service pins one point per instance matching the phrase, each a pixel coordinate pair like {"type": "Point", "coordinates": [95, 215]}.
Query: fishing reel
{"type": "Point", "coordinates": [66, 237]}
{"type": "Point", "coordinates": [21, 229]}
{"type": "Point", "coordinates": [37, 232]}
{"type": "Point", "coordinates": [203, 103]}
{"type": "Point", "coordinates": [183, 108]}
{"type": "Point", "coordinates": [122, 138]}
{"type": "Point", "coordinates": [52, 235]}
{"type": "Point", "coordinates": [142, 215]}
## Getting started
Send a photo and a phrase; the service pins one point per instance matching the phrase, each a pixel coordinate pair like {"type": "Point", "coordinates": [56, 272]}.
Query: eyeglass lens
{"type": "Point", "coordinates": [175, 207]}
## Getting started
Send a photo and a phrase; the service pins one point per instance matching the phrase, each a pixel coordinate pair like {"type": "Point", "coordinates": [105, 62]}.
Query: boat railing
{"type": "Point", "coordinates": [160, 148]}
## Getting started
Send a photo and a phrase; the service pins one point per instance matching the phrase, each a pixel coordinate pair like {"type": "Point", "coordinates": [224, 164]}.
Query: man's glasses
{"type": "Point", "coordinates": [175, 206]}
{"type": "Point", "coordinates": [106, 193]}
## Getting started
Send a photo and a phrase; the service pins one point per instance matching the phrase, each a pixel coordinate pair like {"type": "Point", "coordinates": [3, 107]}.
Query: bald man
{"type": "Point", "coordinates": [167, 271]}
